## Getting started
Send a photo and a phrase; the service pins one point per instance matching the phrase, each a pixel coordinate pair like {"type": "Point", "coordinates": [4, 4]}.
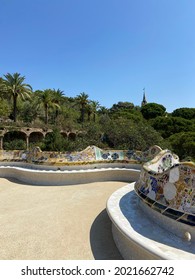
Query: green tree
{"type": "Point", "coordinates": [183, 144]}
{"type": "Point", "coordinates": [54, 141]}
{"type": "Point", "coordinates": [126, 134]}
{"type": "Point", "coordinates": [186, 113]}
{"type": "Point", "coordinates": [15, 86]}
{"type": "Point", "coordinates": [132, 114]}
{"type": "Point", "coordinates": [90, 135]}
{"type": "Point", "coordinates": [28, 110]}
{"type": "Point", "coordinates": [125, 110]}
{"type": "Point", "coordinates": [103, 110]}
{"type": "Point", "coordinates": [168, 126]}
{"type": "Point", "coordinates": [82, 100]}
{"type": "Point", "coordinates": [2, 88]}
{"type": "Point", "coordinates": [122, 105]}
{"type": "Point", "coordinates": [58, 96]}
{"type": "Point", "coordinates": [4, 108]}
{"type": "Point", "coordinates": [94, 105]}
{"type": "Point", "coordinates": [153, 110]}
{"type": "Point", "coordinates": [89, 111]}
{"type": "Point", "coordinates": [46, 98]}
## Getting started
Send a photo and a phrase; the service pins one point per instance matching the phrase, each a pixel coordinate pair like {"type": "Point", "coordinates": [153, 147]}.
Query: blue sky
{"type": "Point", "coordinates": [109, 49]}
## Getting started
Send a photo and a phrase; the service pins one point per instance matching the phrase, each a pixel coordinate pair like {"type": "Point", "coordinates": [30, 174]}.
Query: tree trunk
{"type": "Point", "coordinates": [82, 113]}
{"type": "Point", "coordinates": [46, 114]}
{"type": "Point", "coordinates": [89, 115]}
{"type": "Point", "coordinates": [14, 108]}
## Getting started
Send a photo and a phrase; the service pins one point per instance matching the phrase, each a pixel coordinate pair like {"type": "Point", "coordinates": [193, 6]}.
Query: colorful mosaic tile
{"type": "Point", "coordinates": [90, 154]}
{"type": "Point", "coordinates": [169, 185]}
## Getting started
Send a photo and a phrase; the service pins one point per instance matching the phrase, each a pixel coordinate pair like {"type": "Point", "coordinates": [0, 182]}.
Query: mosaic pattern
{"type": "Point", "coordinates": [37, 156]}
{"type": "Point", "coordinates": [108, 154]}
{"type": "Point", "coordinates": [168, 186]}
{"type": "Point", "coordinates": [127, 155]}
{"type": "Point", "coordinates": [161, 162]}
{"type": "Point", "coordinates": [90, 154]}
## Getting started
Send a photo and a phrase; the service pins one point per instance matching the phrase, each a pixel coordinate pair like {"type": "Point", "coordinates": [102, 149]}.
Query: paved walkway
{"type": "Point", "coordinates": [56, 223]}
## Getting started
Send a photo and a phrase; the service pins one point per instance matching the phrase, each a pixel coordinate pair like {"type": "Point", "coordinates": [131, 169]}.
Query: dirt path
{"type": "Point", "coordinates": [58, 222]}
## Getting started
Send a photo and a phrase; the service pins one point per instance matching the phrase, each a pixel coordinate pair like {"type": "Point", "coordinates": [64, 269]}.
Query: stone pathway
{"type": "Point", "coordinates": [56, 223]}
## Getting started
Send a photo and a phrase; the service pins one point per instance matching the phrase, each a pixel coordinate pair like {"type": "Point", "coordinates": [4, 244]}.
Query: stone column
{"type": "Point", "coordinates": [1, 142]}
{"type": "Point", "coordinates": [27, 142]}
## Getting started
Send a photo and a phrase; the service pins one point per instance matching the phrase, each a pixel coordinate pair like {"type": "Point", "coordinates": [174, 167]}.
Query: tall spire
{"type": "Point", "coordinates": [144, 101]}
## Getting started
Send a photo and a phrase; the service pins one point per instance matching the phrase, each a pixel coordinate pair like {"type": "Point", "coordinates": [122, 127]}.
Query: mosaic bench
{"type": "Point", "coordinates": [167, 186]}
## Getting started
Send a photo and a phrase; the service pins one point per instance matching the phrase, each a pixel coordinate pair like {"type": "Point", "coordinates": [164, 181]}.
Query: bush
{"type": "Point", "coordinates": [183, 144]}
{"type": "Point", "coordinates": [54, 141]}
{"type": "Point", "coordinates": [15, 144]}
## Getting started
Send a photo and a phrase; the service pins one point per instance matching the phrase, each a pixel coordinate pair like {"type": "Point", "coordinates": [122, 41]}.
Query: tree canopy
{"type": "Point", "coordinates": [153, 110]}
{"type": "Point", "coordinates": [186, 113]}
{"type": "Point", "coordinates": [170, 125]}
{"type": "Point", "coordinates": [14, 86]}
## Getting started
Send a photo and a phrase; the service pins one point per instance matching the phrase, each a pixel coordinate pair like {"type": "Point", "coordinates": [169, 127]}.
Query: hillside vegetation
{"type": "Point", "coordinates": [123, 126]}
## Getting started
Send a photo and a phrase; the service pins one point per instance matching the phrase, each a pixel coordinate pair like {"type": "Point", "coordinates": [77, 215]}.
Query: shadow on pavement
{"type": "Point", "coordinates": [101, 240]}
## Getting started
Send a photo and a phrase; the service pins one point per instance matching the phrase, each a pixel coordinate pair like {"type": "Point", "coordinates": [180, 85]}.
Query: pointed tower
{"type": "Point", "coordinates": [144, 101]}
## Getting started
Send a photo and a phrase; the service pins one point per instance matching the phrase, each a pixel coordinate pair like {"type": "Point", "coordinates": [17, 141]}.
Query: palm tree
{"type": "Point", "coordinates": [58, 96]}
{"type": "Point", "coordinates": [46, 97]}
{"type": "Point", "coordinates": [95, 105]}
{"type": "Point", "coordinates": [1, 86]}
{"type": "Point", "coordinates": [89, 111]}
{"type": "Point", "coordinates": [82, 100]}
{"type": "Point", "coordinates": [15, 86]}
{"type": "Point", "coordinates": [103, 110]}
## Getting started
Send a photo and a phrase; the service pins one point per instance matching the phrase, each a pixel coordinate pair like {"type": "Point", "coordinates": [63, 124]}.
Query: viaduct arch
{"type": "Point", "coordinates": [31, 135]}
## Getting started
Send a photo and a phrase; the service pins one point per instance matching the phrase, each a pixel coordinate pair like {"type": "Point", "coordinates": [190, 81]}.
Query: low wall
{"type": "Point", "coordinates": [68, 177]}
{"type": "Point", "coordinates": [129, 249]}
{"type": "Point", "coordinates": [83, 166]}
{"type": "Point", "coordinates": [138, 236]}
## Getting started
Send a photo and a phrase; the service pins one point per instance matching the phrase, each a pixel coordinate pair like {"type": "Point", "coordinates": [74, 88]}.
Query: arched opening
{"type": "Point", "coordinates": [64, 134]}
{"type": "Point", "coordinates": [48, 134]}
{"type": "Point", "coordinates": [48, 142]}
{"type": "Point", "coordinates": [72, 136]}
{"type": "Point", "coordinates": [15, 140]}
{"type": "Point", "coordinates": [35, 139]}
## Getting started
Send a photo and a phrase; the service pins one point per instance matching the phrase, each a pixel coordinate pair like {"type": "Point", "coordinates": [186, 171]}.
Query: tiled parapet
{"type": "Point", "coordinates": [91, 154]}
{"type": "Point", "coordinates": [128, 155]}
{"type": "Point", "coordinates": [161, 162]}
{"type": "Point", "coordinates": [168, 186]}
